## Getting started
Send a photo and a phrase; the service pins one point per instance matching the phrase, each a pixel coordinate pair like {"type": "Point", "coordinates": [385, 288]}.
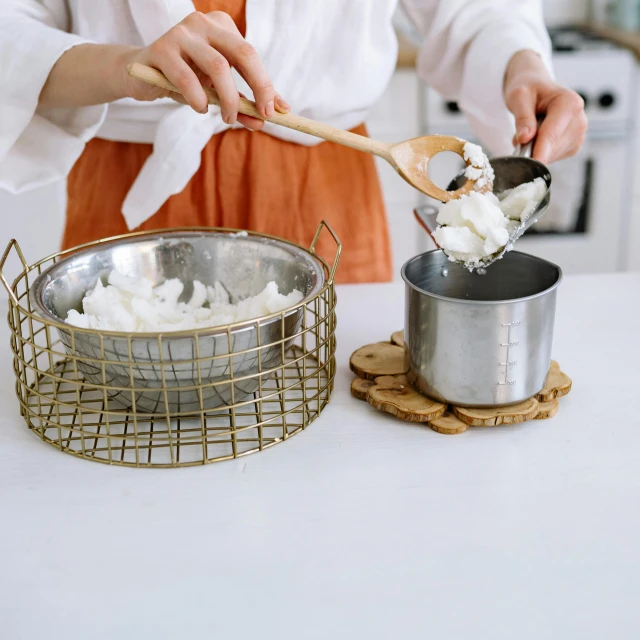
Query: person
{"type": "Point", "coordinates": [139, 158]}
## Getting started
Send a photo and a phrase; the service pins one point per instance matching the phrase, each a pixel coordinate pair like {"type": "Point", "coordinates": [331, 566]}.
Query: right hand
{"type": "Point", "coordinates": [199, 51]}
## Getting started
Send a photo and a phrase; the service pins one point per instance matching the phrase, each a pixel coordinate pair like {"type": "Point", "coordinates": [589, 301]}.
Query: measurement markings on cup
{"type": "Point", "coordinates": [511, 342]}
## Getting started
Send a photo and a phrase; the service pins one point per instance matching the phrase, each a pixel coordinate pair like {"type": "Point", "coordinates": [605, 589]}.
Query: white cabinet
{"type": "Point", "coordinates": [394, 118]}
{"type": "Point", "coordinates": [632, 255]}
{"type": "Point", "coordinates": [633, 237]}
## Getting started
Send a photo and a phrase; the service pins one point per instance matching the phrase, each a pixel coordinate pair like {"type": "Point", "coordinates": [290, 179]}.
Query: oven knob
{"type": "Point", "coordinates": [452, 107]}
{"type": "Point", "coordinates": [607, 100]}
{"type": "Point", "coordinates": [584, 98]}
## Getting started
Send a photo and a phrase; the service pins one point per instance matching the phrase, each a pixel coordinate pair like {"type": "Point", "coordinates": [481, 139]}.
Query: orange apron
{"type": "Point", "coordinates": [247, 180]}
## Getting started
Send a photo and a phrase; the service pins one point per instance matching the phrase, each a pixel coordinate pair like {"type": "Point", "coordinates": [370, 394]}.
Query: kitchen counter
{"type": "Point", "coordinates": [360, 527]}
{"type": "Point", "coordinates": [627, 39]}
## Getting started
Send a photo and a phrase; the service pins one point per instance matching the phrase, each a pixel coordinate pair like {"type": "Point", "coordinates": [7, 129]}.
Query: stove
{"type": "Point", "coordinates": [600, 71]}
{"type": "Point", "coordinates": [572, 38]}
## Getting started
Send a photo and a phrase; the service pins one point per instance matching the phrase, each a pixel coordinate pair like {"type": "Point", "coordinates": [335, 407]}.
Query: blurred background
{"type": "Point", "coordinates": [593, 224]}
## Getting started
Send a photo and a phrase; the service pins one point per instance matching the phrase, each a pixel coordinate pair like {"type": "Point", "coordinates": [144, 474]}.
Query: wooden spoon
{"type": "Point", "coordinates": [409, 158]}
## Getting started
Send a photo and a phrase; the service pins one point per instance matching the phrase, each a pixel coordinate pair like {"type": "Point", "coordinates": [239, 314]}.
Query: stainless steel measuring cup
{"type": "Point", "coordinates": [479, 340]}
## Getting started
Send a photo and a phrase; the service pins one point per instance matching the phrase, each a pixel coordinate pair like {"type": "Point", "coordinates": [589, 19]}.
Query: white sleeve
{"type": "Point", "coordinates": [37, 146]}
{"type": "Point", "coordinates": [467, 47]}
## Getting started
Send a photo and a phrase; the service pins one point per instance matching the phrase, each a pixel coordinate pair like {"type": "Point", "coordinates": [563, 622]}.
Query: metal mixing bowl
{"type": "Point", "coordinates": [187, 371]}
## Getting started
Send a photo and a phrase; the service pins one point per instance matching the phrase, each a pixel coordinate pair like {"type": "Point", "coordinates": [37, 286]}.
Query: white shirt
{"type": "Point", "coordinates": [331, 60]}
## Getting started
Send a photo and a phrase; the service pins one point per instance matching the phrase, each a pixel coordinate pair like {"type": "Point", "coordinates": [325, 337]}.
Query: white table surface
{"type": "Point", "coordinates": [360, 527]}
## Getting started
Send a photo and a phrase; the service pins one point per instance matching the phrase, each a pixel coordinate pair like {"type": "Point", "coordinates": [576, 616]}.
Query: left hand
{"type": "Point", "coordinates": [529, 91]}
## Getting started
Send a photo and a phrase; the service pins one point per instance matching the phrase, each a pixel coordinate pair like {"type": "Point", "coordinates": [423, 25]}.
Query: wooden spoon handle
{"type": "Point", "coordinates": [248, 108]}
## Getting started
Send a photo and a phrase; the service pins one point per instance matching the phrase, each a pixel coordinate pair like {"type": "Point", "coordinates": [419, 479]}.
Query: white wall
{"type": "Point", "coordinates": [633, 232]}
{"type": "Point", "coordinates": [35, 219]}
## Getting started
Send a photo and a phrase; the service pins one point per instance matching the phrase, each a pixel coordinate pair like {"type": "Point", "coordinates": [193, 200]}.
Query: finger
{"type": "Point", "coordinates": [246, 60]}
{"type": "Point", "coordinates": [522, 104]}
{"type": "Point", "coordinates": [184, 78]}
{"type": "Point", "coordinates": [217, 69]}
{"type": "Point", "coordinates": [164, 93]}
{"type": "Point", "coordinates": [178, 98]}
{"type": "Point", "coordinates": [253, 124]}
{"type": "Point", "coordinates": [572, 139]}
{"type": "Point", "coordinates": [223, 20]}
{"type": "Point", "coordinates": [557, 119]}
{"type": "Point", "coordinates": [282, 105]}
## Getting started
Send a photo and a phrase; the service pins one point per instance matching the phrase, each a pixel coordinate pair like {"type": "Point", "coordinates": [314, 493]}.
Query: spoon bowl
{"type": "Point", "coordinates": [411, 158]}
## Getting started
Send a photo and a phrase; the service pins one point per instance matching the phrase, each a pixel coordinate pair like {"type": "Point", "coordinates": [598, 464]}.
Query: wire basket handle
{"type": "Point", "coordinates": [325, 225]}
{"type": "Point", "coordinates": [13, 244]}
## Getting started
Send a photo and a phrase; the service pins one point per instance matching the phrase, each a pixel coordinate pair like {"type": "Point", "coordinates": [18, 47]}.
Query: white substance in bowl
{"type": "Point", "coordinates": [519, 203]}
{"type": "Point", "coordinates": [475, 227]}
{"type": "Point", "coordinates": [471, 228]}
{"type": "Point", "coordinates": [134, 305]}
{"type": "Point", "coordinates": [479, 167]}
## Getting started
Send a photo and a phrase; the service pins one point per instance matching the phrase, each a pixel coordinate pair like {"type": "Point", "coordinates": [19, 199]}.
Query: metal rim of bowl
{"type": "Point", "coordinates": [37, 289]}
{"type": "Point", "coordinates": [555, 285]}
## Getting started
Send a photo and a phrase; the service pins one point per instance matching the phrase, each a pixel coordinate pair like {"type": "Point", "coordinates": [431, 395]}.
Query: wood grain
{"type": "Point", "coordinates": [375, 360]}
{"type": "Point", "coordinates": [495, 416]}
{"type": "Point", "coordinates": [398, 338]}
{"type": "Point", "coordinates": [558, 384]}
{"type": "Point", "coordinates": [360, 388]}
{"type": "Point", "coordinates": [548, 409]}
{"type": "Point", "coordinates": [448, 424]}
{"type": "Point", "coordinates": [394, 395]}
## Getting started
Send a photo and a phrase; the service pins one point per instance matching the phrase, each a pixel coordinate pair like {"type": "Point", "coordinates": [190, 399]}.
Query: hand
{"type": "Point", "coordinates": [200, 51]}
{"type": "Point", "coordinates": [528, 91]}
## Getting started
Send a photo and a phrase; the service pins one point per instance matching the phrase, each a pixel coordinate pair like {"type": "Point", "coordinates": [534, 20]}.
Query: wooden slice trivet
{"type": "Point", "coordinates": [380, 359]}
{"type": "Point", "coordinates": [548, 409]}
{"type": "Point", "coordinates": [448, 424]}
{"type": "Point", "coordinates": [398, 338]}
{"type": "Point", "coordinates": [394, 395]}
{"type": "Point", "coordinates": [360, 387]}
{"type": "Point", "coordinates": [558, 384]}
{"type": "Point", "coordinates": [495, 416]}
{"type": "Point", "coordinates": [382, 383]}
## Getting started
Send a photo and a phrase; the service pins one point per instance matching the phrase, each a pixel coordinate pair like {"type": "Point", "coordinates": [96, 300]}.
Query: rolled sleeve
{"type": "Point", "coordinates": [37, 146]}
{"type": "Point", "coordinates": [466, 50]}
{"type": "Point", "coordinates": [482, 88]}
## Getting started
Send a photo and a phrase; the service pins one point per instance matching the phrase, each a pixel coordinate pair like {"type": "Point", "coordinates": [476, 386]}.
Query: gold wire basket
{"type": "Point", "coordinates": [69, 399]}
